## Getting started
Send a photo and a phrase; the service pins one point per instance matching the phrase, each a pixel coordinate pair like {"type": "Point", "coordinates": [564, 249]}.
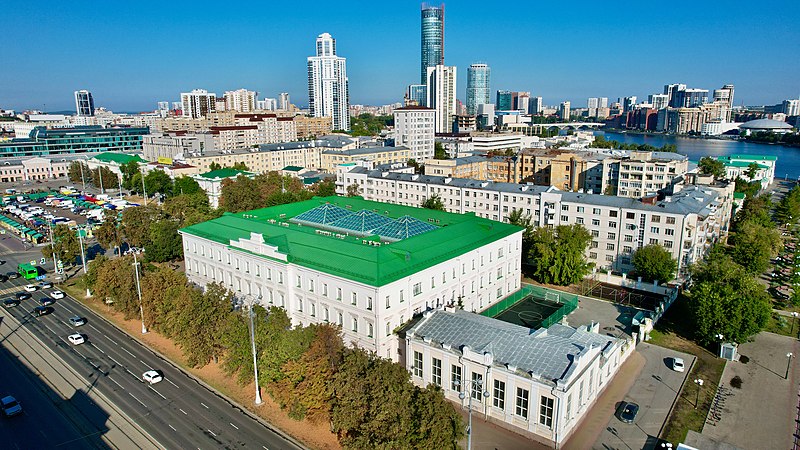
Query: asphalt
{"type": "Point", "coordinates": [179, 412]}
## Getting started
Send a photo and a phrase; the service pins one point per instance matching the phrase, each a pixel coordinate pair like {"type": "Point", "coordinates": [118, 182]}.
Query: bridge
{"type": "Point", "coordinates": [530, 129]}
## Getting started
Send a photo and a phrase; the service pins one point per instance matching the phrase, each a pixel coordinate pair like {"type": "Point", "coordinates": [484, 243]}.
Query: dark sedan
{"type": "Point", "coordinates": [627, 412]}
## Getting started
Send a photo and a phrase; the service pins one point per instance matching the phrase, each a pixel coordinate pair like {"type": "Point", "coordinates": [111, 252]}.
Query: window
{"type": "Point", "coordinates": [595, 222]}
{"type": "Point", "coordinates": [569, 406]}
{"type": "Point", "coordinates": [339, 294]}
{"type": "Point", "coordinates": [402, 297]}
{"type": "Point", "coordinates": [455, 378]}
{"type": "Point", "coordinates": [612, 224]}
{"type": "Point", "coordinates": [353, 298]}
{"type": "Point", "coordinates": [546, 411]}
{"type": "Point", "coordinates": [612, 236]}
{"type": "Point", "coordinates": [325, 289]}
{"type": "Point", "coordinates": [564, 218]}
{"type": "Point", "coordinates": [565, 207]}
{"type": "Point", "coordinates": [580, 209]}
{"type": "Point", "coordinates": [579, 220]}
{"type": "Point", "coordinates": [499, 273]}
{"type": "Point", "coordinates": [628, 238]}
{"type": "Point", "coordinates": [595, 233]}
{"type": "Point", "coordinates": [313, 309]}
{"type": "Point", "coordinates": [388, 302]}
{"type": "Point", "coordinates": [609, 246]}
{"type": "Point", "coordinates": [654, 230]}
{"type": "Point", "coordinates": [669, 231]}
{"type": "Point", "coordinates": [477, 386]}
{"type": "Point", "coordinates": [612, 213]}
{"type": "Point", "coordinates": [629, 215]}
{"type": "Point", "coordinates": [418, 364]}
{"type": "Point", "coordinates": [591, 382]}
{"type": "Point", "coordinates": [667, 244]}
{"type": "Point", "coordinates": [436, 371]}
{"type": "Point", "coordinates": [433, 282]}
{"type": "Point", "coordinates": [592, 255]}
{"type": "Point", "coordinates": [670, 221]}
{"type": "Point", "coordinates": [521, 408]}
{"type": "Point", "coordinates": [580, 394]}
{"type": "Point", "coordinates": [388, 328]}
{"type": "Point", "coordinates": [339, 318]}
{"type": "Point", "coordinates": [596, 211]}
{"type": "Point", "coordinates": [653, 241]}
{"type": "Point", "coordinates": [609, 258]}
{"type": "Point", "coordinates": [310, 285]}
{"type": "Point", "coordinates": [300, 304]}
{"type": "Point", "coordinates": [630, 226]}
{"type": "Point", "coordinates": [298, 281]}
{"type": "Point", "coordinates": [354, 321]}
{"type": "Point", "coordinates": [369, 303]}
{"type": "Point", "coordinates": [499, 394]}
{"type": "Point", "coordinates": [417, 289]}
{"type": "Point", "coordinates": [326, 314]}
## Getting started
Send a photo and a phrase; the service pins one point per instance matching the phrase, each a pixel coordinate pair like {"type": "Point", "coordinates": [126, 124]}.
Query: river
{"type": "Point", "coordinates": [788, 164]}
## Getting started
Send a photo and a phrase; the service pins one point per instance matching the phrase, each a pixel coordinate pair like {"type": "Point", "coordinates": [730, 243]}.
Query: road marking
{"type": "Point", "coordinates": [234, 426]}
{"type": "Point", "coordinates": [115, 361]}
{"type": "Point", "coordinates": [115, 382]}
{"type": "Point", "coordinates": [170, 382]}
{"type": "Point", "coordinates": [50, 329]}
{"type": "Point", "coordinates": [65, 323]}
{"type": "Point", "coordinates": [110, 339]}
{"type": "Point", "coordinates": [204, 405]}
{"type": "Point", "coordinates": [212, 433]}
{"type": "Point", "coordinates": [173, 428]}
{"type": "Point", "coordinates": [126, 351]}
{"type": "Point", "coordinates": [265, 448]}
{"type": "Point", "coordinates": [159, 393]}
{"type": "Point", "coordinates": [134, 397]}
{"type": "Point", "coordinates": [67, 310]}
{"type": "Point", "coordinates": [181, 410]}
{"type": "Point", "coordinates": [126, 369]}
{"type": "Point", "coordinates": [92, 327]}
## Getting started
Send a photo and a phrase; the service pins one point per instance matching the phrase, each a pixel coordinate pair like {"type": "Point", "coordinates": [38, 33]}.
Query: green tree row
{"type": "Point", "coordinates": [369, 125]}
{"type": "Point", "coordinates": [268, 189]}
{"type": "Point", "coordinates": [602, 142]}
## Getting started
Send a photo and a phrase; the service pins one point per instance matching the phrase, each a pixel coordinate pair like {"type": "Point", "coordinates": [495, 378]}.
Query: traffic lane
{"type": "Point", "coordinates": [183, 388]}
{"type": "Point", "coordinates": [41, 423]}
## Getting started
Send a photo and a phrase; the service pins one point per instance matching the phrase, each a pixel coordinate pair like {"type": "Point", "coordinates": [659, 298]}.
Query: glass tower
{"type": "Point", "coordinates": [432, 39]}
{"type": "Point", "coordinates": [477, 87]}
{"type": "Point", "coordinates": [84, 103]}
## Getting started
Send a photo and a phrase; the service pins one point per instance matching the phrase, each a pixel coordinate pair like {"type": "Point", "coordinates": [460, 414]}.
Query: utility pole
{"type": "Point", "coordinates": [253, 344]}
{"type": "Point", "coordinates": [139, 291]}
{"type": "Point", "coordinates": [83, 258]}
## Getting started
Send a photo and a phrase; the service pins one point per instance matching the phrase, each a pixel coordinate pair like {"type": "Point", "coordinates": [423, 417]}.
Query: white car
{"type": "Point", "coordinates": [678, 365]}
{"type": "Point", "coordinates": [57, 295]}
{"type": "Point", "coordinates": [45, 285]}
{"type": "Point", "coordinates": [76, 339]}
{"type": "Point", "coordinates": [152, 377]}
{"type": "Point", "coordinates": [30, 287]}
{"type": "Point", "coordinates": [77, 321]}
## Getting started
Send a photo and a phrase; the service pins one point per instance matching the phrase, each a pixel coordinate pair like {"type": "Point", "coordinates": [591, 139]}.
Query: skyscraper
{"type": "Point", "coordinates": [536, 106]}
{"type": "Point", "coordinates": [477, 87]}
{"type": "Point", "coordinates": [505, 100]}
{"type": "Point", "coordinates": [84, 103]}
{"type": "Point", "coordinates": [432, 39]}
{"type": "Point", "coordinates": [563, 111]}
{"type": "Point", "coordinates": [198, 103]}
{"type": "Point", "coordinates": [328, 92]}
{"type": "Point", "coordinates": [284, 101]}
{"type": "Point", "coordinates": [628, 103]}
{"type": "Point", "coordinates": [240, 100]}
{"type": "Point", "coordinates": [442, 95]}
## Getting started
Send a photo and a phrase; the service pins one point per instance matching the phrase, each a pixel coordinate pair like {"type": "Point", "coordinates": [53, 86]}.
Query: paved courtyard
{"type": "Point", "coordinates": [614, 319]}
{"type": "Point", "coordinates": [767, 402]}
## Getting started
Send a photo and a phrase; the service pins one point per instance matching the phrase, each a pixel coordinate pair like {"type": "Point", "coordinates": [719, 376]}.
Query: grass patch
{"type": "Point", "coordinates": [783, 325]}
{"type": "Point", "coordinates": [672, 332]}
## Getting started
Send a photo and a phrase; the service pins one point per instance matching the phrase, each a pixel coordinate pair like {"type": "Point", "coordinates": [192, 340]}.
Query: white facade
{"type": "Point", "coordinates": [646, 173]}
{"type": "Point", "coordinates": [284, 101]}
{"type": "Point", "coordinates": [328, 92]}
{"type": "Point", "coordinates": [241, 100]}
{"type": "Point", "coordinates": [442, 95]}
{"type": "Point", "coordinates": [198, 103]}
{"type": "Point", "coordinates": [415, 128]}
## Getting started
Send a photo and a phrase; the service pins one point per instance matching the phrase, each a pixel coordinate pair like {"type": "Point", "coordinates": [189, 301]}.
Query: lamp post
{"type": "Point", "coordinates": [52, 247]}
{"type": "Point", "coordinates": [475, 385]}
{"type": "Point", "coordinates": [139, 291]}
{"type": "Point", "coordinates": [144, 188]}
{"type": "Point", "coordinates": [699, 382]}
{"type": "Point", "coordinates": [788, 364]}
{"type": "Point", "coordinates": [794, 319]}
{"type": "Point", "coordinates": [83, 258]}
{"type": "Point", "coordinates": [258, 400]}
{"type": "Point", "coordinates": [720, 337]}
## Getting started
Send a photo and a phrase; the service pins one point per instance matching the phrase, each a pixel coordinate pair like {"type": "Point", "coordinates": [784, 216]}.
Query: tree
{"type": "Point", "coordinates": [748, 188]}
{"type": "Point", "coordinates": [326, 188]}
{"type": "Point", "coordinates": [725, 300]}
{"type": "Point", "coordinates": [129, 170]}
{"type": "Point", "coordinates": [417, 166]}
{"type": "Point", "coordinates": [136, 223]}
{"type": "Point", "coordinates": [165, 243]}
{"type": "Point", "coordinates": [557, 254]}
{"type": "Point", "coordinates": [240, 195]}
{"type": "Point", "coordinates": [519, 218]}
{"type": "Point", "coordinates": [157, 181]}
{"type": "Point", "coordinates": [184, 185]}
{"type": "Point", "coordinates": [202, 325]}
{"type": "Point", "coordinates": [108, 234]}
{"type": "Point", "coordinates": [754, 245]}
{"type": "Point", "coordinates": [115, 281]}
{"type": "Point", "coordinates": [788, 209]}
{"type": "Point", "coordinates": [711, 166]}
{"type": "Point", "coordinates": [105, 178]}
{"type": "Point", "coordinates": [433, 202]}
{"type": "Point", "coordinates": [214, 166]}
{"type": "Point", "coordinates": [240, 166]}
{"type": "Point", "coordinates": [654, 263]}
{"type": "Point", "coordinates": [756, 210]}
{"type": "Point", "coordinates": [752, 170]}
{"type": "Point", "coordinates": [65, 245]}
{"type": "Point", "coordinates": [189, 209]}
{"type": "Point", "coordinates": [353, 190]}
{"type": "Point", "coordinates": [78, 172]}
{"type": "Point", "coordinates": [439, 152]}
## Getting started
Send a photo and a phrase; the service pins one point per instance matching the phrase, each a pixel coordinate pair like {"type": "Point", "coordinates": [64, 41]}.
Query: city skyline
{"type": "Point", "coordinates": [143, 63]}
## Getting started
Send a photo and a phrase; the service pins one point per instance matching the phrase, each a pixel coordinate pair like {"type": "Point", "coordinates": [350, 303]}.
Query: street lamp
{"type": "Point", "coordinates": [794, 319]}
{"type": "Point", "coordinates": [788, 365]}
{"type": "Point", "coordinates": [83, 258]}
{"type": "Point", "coordinates": [699, 382]}
{"type": "Point", "coordinates": [253, 344]}
{"type": "Point", "coordinates": [475, 385]}
{"type": "Point", "coordinates": [139, 291]}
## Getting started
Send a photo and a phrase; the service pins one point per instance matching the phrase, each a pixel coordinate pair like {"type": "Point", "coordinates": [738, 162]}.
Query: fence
{"type": "Point", "coordinates": [569, 303]}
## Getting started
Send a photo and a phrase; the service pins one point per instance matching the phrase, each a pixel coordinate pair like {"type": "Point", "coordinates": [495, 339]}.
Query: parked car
{"type": "Point", "coordinates": [678, 364]}
{"type": "Point", "coordinates": [76, 339]}
{"type": "Point", "coordinates": [3, 278]}
{"type": "Point", "coordinates": [57, 294]}
{"type": "Point", "coordinates": [10, 405]}
{"type": "Point", "coordinates": [12, 275]}
{"type": "Point", "coordinates": [10, 302]}
{"type": "Point", "coordinates": [22, 296]}
{"type": "Point", "coordinates": [627, 412]}
{"type": "Point", "coordinates": [152, 377]}
{"type": "Point", "coordinates": [30, 288]}
{"type": "Point", "coordinates": [77, 321]}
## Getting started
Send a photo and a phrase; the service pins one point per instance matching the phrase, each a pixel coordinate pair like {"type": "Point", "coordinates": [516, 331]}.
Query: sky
{"type": "Point", "coordinates": [131, 55]}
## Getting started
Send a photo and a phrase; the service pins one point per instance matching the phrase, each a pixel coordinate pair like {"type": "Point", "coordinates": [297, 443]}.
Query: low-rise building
{"type": "Point", "coordinates": [374, 156]}
{"type": "Point", "coordinates": [540, 383]}
{"type": "Point", "coordinates": [211, 182]}
{"type": "Point", "coordinates": [81, 139]}
{"type": "Point", "coordinates": [36, 168]}
{"type": "Point", "coordinates": [738, 166]}
{"type": "Point", "coordinates": [646, 173]}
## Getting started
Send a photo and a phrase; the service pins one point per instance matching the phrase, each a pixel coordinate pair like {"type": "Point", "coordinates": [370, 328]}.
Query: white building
{"type": "Point", "coordinates": [442, 95]}
{"type": "Point", "coordinates": [685, 224]}
{"type": "Point", "coordinates": [540, 383]}
{"type": "Point", "coordinates": [211, 182]}
{"type": "Point", "coordinates": [365, 266]}
{"type": "Point", "coordinates": [84, 103]}
{"type": "Point", "coordinates": [284, 101]}
{"type": "Point", "coordinates": [737, 166]}
{"type": "Point", "coordinates": [241, 100]}
{"type": "Point", "coordinates": [328, 92]}
{"type": "Point", "coordinates": [415, 128]}
{"type": "Point", "coordinates": [646, 173]}
{"type": "Point", "coordinates": [198, 103]}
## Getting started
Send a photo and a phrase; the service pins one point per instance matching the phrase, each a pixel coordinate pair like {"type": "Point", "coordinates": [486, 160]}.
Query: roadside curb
{"type": "Point", "coordinates": [199, 381]}
{"type": "Point", "coordinates": [677, 397]}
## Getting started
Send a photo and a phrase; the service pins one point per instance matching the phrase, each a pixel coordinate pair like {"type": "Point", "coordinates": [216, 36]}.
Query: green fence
{"type": "Point", "coordinates": [569, 303]}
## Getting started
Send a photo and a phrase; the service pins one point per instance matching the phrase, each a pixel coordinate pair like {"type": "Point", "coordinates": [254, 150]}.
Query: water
{"type": "Point", "coordinates": [788, 164]}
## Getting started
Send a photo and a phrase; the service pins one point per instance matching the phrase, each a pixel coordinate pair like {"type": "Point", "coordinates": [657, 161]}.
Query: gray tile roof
{"type": "Point", "coordinates": [364, 150]}
{"type": "Point", "coordinates": [547, 354]}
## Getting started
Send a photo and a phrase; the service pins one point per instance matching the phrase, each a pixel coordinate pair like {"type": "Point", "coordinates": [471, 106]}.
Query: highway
{"type": "Point", "coordinates": [179, 412]}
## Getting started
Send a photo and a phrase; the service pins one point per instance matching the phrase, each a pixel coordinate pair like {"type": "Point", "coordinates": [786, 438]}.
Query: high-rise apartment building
{"type": "Point", "coordinates": [283, 101]}
{"type": "Point", "coordinates": [522, 101]}
{"type": "Point", "coordinates": [442, 95]}
{"type": "Point", "coordinates": [628, 103]}
{"type": "Point", "coordinates": [268, 104]}
{"type": "Point", "coordinates": [432, 21]}
{"type": "Point", "coordinates": [536, 106]}
{"type": "Point", "coordinates": [416, 95]}
{"type": "Point", "coordinates": [241, 100]}
{"type": "Point", "coordinates": [328, 92]}
{"type": "Point", "coordinates": [505, 100]}
{"type": "Point", "coordinates": [163, 106]}
{"type": "Point", "coordinates": [670, 90]}
{"type": "Point", "coordinates": [84, 103]}
{"type": "Point", "coordinates": [477, 87]}
{"type": "Point", "coordinates": [659, 101]}
{"type": "Point", "coordinates": [791, 107]}
{"type": "Point", "coordinates": [592, 103]}
{"type": "Point", "coordinates": [415, 128]}
{"type": "Point", "coordinates": [563, 110]}
{"type": "Point", "coordinates": [198, 103]}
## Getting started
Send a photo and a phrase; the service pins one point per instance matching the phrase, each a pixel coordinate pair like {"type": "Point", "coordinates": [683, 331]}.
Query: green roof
{"type": "Point", "coordinates": [738, 195]}
{"type": "Point", "coordinates": [119, 158]}
{"type": "Point", "coordinates": [748, 158]}
{"type": "Point", "coordinates": [225, 172]}
{"type": "Point", "coordinates": [293, 168]}
{"type": "Point", "coordinates": [348, 256]}
{"type": "Point", "coordinates": [744, 164]}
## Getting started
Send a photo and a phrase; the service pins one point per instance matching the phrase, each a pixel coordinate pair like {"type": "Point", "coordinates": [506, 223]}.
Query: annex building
{"type": "Point", "coordinates": [366, 266]}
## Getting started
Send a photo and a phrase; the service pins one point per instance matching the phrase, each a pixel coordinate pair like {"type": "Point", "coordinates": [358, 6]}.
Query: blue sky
{"type": "Point", "coordinates": [133, 54]}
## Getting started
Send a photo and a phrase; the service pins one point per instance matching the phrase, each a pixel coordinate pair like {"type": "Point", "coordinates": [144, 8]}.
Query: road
{"type": "Point", "coordinates": [178, 412]}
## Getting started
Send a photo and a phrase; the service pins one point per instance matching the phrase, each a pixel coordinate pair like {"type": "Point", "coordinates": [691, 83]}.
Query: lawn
{"type": "Point", "coordinates": [671, 333]}
{"type": "Point", "coordinates": [786, 326]}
